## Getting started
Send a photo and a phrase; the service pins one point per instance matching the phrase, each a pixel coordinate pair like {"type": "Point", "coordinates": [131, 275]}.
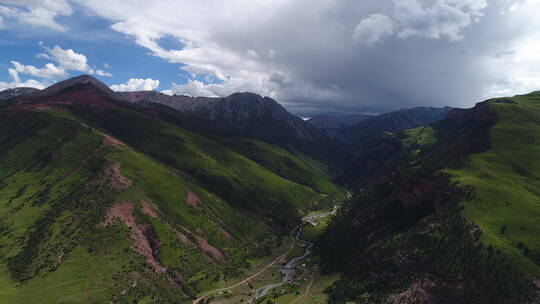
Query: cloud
{"type": "Point", "coordinates": [16, 82]}
{"type": "Point", "coordinates": [446, 18]}
{"type": "Point", "coordinates": [373, 29]}
{"type": "Point", "coordinates": [236, 67]}
{"type": "Point", "coordinates": [103, 73]}
{"type": "Point", "coordinates": [309, 45]}
{"type": "Point", "coordinates": [199, 88]}
{"type": "Point", "coordinates": [36, 12]}
{"type": "Point", "coordinates": [49, 71]}
{"type": "Point", "coordinates": [514, 67]}
{"type": "Point", "coordinates": [252, 53]}
{"type": "Point", "coordinates": [136, 84]}
{"type": "Point", "coordinates": [68, 59]}
{"type": "Point", "coordinates": [312, 55]}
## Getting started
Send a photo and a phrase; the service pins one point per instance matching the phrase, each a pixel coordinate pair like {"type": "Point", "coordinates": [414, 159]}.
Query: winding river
{"type": "Point", "coordinates": [288, 270]}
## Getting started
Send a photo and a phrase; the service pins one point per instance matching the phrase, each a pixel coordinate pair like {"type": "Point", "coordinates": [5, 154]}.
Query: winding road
{"type": "Point", "coordinates": [289, 269]}
{"type": "Point", "coordinates": [293, 243]}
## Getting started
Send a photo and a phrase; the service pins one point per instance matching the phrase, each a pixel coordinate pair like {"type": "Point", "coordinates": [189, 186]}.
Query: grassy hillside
{"type": "Point", "coordinates": [506, 181]}
{"type": "Point", "coordinates": [238, 180]}
{"type": "Point", "coordinates": [61, 181]}
{"type": "Point", "coordinates": [295, 167]}
{"type": "Point", "coordinates": [453, 219]}
{"type": "Point", "coordinates": [155, 214]}
{"type": "Point", "coordinates": [304, 171]}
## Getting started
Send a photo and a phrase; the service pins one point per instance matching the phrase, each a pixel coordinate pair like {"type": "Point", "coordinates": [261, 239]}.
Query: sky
{"type": "Point", "coordinates": [316, 56]}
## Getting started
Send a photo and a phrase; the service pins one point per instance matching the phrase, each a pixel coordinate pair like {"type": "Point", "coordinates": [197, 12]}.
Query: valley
{"type": "Point", "coordinates": [269, 152]}
{"type": "Point", "coordinates": [287, 279]}
{"type": "Point", "coordinates": [108, 198]}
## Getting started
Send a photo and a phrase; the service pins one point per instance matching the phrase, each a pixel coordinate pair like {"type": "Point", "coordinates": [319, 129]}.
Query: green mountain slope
{"type": "Point", "coordinates": [294, 167]}
{"type": "Point", "coordinates": [304, 171]}
{"type": "Point", "coordinates": [238, 180]}
{"type": "Point", "coordinates": [452, 220]}
{"type": "Point", "coordinates": [84, 217]}
{"type": "Point", "coordinates": [100, 202]}
{"type": "Point", "coordinates": [506, 181]}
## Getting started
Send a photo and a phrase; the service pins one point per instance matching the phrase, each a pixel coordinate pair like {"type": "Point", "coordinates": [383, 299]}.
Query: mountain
{"type": "Point", "coordinates": [374, 142]}
{"type": "Point", "coordinates": [448, 216]}
{"type": "Point", "coordinates": [248, 115]}
{"type": "Point", "coordinates": [331, 125]}
{"type": "Point", "coordinates": [104, 201]}
{"type": "Point", "coordinates": [14, 92]}
{"type": "Point", "coordinates": [364, 131]}
{"type": "Point", "coordinates": [117, 197]}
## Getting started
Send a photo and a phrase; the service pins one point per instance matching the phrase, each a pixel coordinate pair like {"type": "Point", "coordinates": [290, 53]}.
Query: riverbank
{"type": "Point", "coordinates": [291, 276]}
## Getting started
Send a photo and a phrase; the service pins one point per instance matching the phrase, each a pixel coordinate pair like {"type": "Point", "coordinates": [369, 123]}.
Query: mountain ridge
{"type": "Point", "coordinates": [332, 125]}
{"type": "Point", "coordinates": [396, 121]}
{"type": "Point", "coordinates": [440, 209]}
{"type": "Point", "coordinates": [97, 193]}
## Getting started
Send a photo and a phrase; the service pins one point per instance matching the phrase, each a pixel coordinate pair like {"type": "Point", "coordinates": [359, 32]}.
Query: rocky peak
{"type": "Point", "coordinates": [80, 81]}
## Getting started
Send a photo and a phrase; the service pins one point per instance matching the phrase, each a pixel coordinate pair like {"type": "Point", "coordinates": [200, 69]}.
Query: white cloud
{"type": "Point", "coordinates": [49, 71]}
{"type": "Point", "coordinates": [445, 18]}
{"type": "Point", "coordinates": [204, 55]}
{"type": "Point", "coordinates": [14, 75]}
{"type": "Point", "coordinates": [306, 53]}
{"type": "Point", "coordinates": [252, 53]}
{"type": "Point", "coordinates": [103, 73]}
{"type": "Point", "coordinates": [37, 12]}
{"type": "Point", "coordinates": [516, 69]}
{"type": "Point", "coordinates": [43, 56]}
{"type": "Point", "coordinates": [373, 29]}
{"type": "Point", "coordinates": [319, 38]}
{"type": "Point", "coordinates": [16, 82]}
{"type": "Point", "coordinates": [198, 88]}
{"type": "Point", "coordinates": [271, 54]}
{"type": "Point", "coordinates": [136, 84]}
{"type": "Point", "coordinates": [68, 59]}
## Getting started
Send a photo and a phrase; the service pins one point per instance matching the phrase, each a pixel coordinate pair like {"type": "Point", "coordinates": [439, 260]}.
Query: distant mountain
{"type": "Point", "coordinates": [331, 125]}
{"type": "Point", "coordinates": [73, 84]}
{"type": "Point", "coordinates": [83, 90]}
{"type": "Point", "coordinates": [445, 213]}
{"type": "Point", "coordinates": [240, 114]}
{"type": "Point", "coordinates": [14, 92]}
{"type": "Point", "coordinates": [103, 200]}
{"type": "Point", "coordinates": [373, 127]}
{"type": "Point", "coordinates": [248, 115]}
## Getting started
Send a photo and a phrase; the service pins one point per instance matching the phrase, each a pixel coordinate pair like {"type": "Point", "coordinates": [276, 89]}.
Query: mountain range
{"type": "Point", "coordinates": [98, 193]}
{"type": "Point", "coordinates": [333, 125]}
{"type": "Point", "coordinates": [246, 115]}
{"type": "Point", "coordinates": [444, 213]}
{"type": "Point", "coordinates": [142, 197]}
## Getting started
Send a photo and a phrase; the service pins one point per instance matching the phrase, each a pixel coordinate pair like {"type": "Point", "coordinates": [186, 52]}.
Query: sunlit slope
{"type": "Point", "coordinates": [86, 218]}
{"type": "Point", "coordinates": [457, 209]}
{"type": "Point", "coordinates": [296, 167]}
{"type": "Point", "coordinates": [506, 182]}
{"type": "Point", "coordinates": [302, 170]}
{"type": "Point", "coordinates": [240, 181]}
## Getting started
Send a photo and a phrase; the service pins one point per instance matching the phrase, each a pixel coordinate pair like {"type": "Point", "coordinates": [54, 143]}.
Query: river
{"type": "Point", "coordinates": [288, 270]}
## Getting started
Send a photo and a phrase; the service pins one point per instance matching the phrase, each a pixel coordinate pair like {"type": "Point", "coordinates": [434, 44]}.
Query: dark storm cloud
{"type": "Point", "coordinates": [437, 59]}
{"type": "Point", "coordinates": [327, 56]}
